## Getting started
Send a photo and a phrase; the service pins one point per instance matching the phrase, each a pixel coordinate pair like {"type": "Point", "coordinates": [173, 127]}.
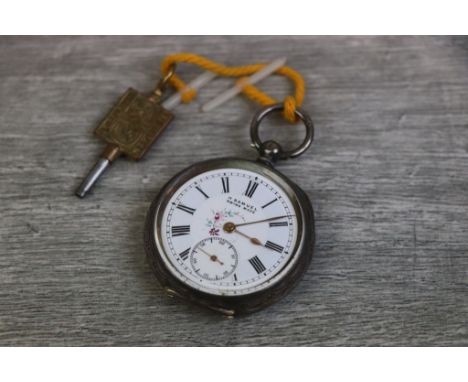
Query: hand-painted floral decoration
{"type": "Point", "coordinates": [219, 217]}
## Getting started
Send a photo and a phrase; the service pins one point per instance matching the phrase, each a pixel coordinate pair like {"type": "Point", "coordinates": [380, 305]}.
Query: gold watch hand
{"type": "Point", "coordinates": [212, 257]}
{"type": "Point", "coordinates": [264, 220]}
{"type": "Point", "coordinates": [231, 227]}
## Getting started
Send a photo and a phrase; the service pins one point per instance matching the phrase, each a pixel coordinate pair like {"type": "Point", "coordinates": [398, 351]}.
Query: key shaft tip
{"type": "Point", "coordinates": [92, 177]}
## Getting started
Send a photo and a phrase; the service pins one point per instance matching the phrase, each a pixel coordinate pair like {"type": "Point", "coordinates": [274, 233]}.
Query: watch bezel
{"type": "Point", "coordinates": [281, 283]}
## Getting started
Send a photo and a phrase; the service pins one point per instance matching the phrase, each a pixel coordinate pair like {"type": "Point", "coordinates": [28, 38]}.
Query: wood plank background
{"type": "Point", "coordinates": [387, 175]}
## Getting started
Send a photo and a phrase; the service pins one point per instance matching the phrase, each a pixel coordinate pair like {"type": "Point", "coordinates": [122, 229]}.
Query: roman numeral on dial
{"type": "Point", "coordinates": [225, 181]}
{"type": "Point", "coordinates": [274, 246]}
{"type": "Point", "coordinates": [179, 230]}
{"type": "Point", "coordinates": [251, 187]}
{"type": "Point", "coordinates": [202, 192]}
{"type": "Point", "coordinates": [269, 203]}
{"type": "Point", "coordinates": [186, 209]}
{"type": "Point", "coordinates": [279, 224]}
{"type": "Point", "coordinates": [184, 254]}
{"type": "Point", "coordinates": [257, 264]}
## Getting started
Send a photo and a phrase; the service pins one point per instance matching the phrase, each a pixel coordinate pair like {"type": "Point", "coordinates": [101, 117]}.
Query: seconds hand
{"type": "Point", "coordinates": [212, 257]}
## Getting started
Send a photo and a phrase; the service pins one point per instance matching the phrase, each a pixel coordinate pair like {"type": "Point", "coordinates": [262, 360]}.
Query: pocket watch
{"type": "Point", "coordinates": [233, 235]}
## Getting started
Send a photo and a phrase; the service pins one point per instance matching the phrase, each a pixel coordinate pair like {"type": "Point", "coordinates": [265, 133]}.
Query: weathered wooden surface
{"type": "Point", "coordinates": [388, 175]}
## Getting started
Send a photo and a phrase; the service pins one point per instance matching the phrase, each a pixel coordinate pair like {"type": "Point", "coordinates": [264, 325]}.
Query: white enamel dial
{"type": "Point", "coordinates": [229, 232]}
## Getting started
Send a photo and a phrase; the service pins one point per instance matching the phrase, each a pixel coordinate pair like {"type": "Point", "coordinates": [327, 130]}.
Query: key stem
{"type": "Point", "coordinates": [110, 153]}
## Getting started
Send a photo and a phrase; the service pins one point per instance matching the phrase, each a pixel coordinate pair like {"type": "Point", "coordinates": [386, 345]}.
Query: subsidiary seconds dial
{"type": "Point", "coordinates": [214, 258]}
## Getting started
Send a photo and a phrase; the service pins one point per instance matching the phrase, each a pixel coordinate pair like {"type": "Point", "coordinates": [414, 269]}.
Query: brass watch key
{"type": "Point", "coordinates": [129, 129]}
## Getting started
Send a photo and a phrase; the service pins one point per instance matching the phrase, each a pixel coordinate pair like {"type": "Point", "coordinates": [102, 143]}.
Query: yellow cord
{"type": "Point", "coordinates": [255, 94]}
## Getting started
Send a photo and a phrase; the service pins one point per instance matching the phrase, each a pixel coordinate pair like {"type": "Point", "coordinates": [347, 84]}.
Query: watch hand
{"type": "Point", "coordinates": [212, 257]}
{"type": "Point", "coordinates": [264, 220]}
{"type": "Point", "coordinates": [231, 227]}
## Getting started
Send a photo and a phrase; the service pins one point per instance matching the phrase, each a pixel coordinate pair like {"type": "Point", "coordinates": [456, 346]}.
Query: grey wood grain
{"type": "Point", "coordinates": [387, 175]}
